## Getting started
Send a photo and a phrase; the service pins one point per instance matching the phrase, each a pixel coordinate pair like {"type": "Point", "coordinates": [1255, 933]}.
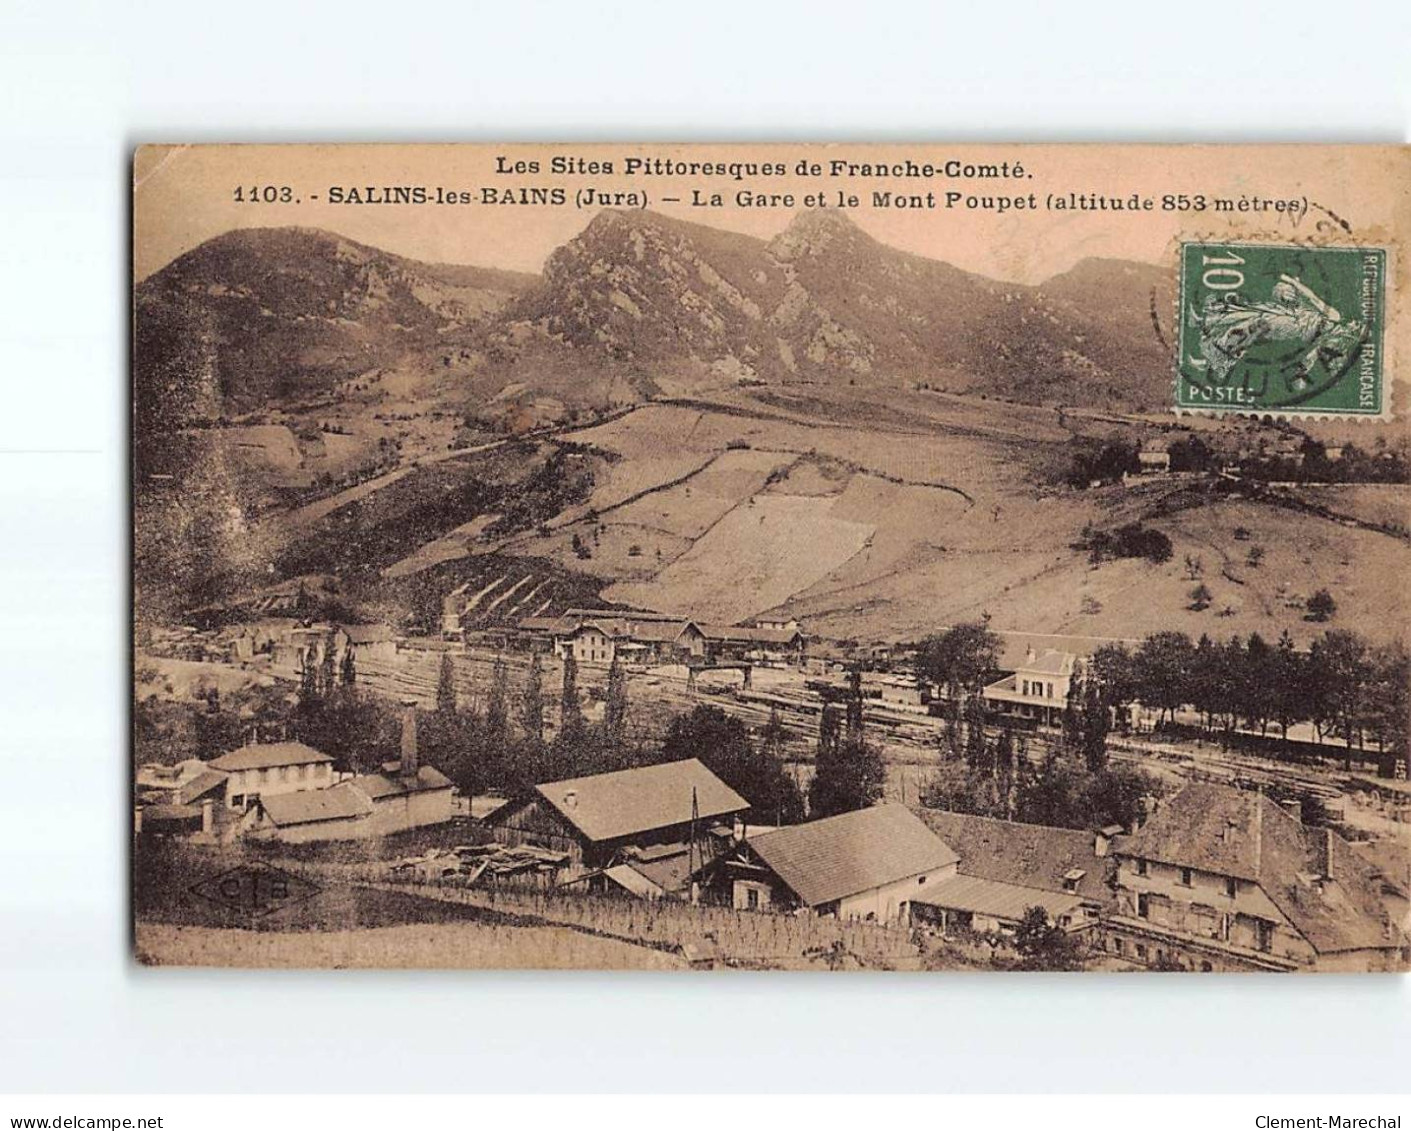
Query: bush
{"type": "Point", "coordinates": [1321, 606]}
{"type": "Point", "coordinates": [1130, 541]}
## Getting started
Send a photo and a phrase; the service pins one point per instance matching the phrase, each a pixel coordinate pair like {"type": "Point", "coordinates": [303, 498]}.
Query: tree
{"type": "Point", "coordinates": [571, 722]}
{"type": "Point", "coordinates": [1114, 797]}
{"type": "Point", "coordinates": [1200, 597]}
{"type": "Point", "coordinates": [1389, 709]}
{"type": "Point", "coordinates": [978, 754]}
{"type": "Point", "coordinates": [1113, 668]}
{"type": "Point", "coordinates": [310, 694]}
{"type": "Point", "coordinates": [960, 659]}
{"type": "Point", "coordinates": [531, 703]}
{"type": "Point", "coordinates": [1339, 672]}
{"type": "Point", "coordinates": [615, 709]}
{"type": "Point", "coordinates": [1162, 669]}
{"type": "Point", "coordinates": [349, 673]}
{"type": "Point", "coordinates": [853, 714]}
{"type": "Point", "coordinates": [1321, 606]}
{"type": "Point", "coordinates": [772, 740]}
{"type": "Point", "coordinates": [327, 671]}
{"type": "Point", "coordinates": [849, 776]}
{"type": "Point", "coordinates": [1255, 557]}
{"type": "Point", "coordinates": [446, 686]}
{"type": "Point", "coordinates": [829, 731]}
{"type": "Point", "coordinates": [723, 744]}
{"type": "Point", "coordinates": [497, 709]}
{"type": "Point", "coordinates": [1050, 796]}
{"type": "Point", "coordinates": [1288, 689]}
{"type": "Point", "coordinates": [1005, 768]}
{"type": "Point", "coordinates": [1094, 721]}
{"type": "Point", "coordinates": [1222, 680]}
{"type": "Point", "coordinates": [1043, 946]}
{"type": "Point", "coordinates": [1253, 684]}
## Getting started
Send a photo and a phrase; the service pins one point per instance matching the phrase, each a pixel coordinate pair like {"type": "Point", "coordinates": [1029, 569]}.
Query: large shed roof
{"type": "Point", "coordinates": [629, 802]}
{"type": "Point", "coordinates": [261, 756]}
{"type": "Point", "coordinates": [851, 853]}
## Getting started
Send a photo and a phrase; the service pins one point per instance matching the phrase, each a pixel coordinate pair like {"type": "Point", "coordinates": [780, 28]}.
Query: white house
{"type": "Point", "coordinates": [1038, 689]}
{"type": "Point", "coordinates": [266, 769]}
{"type": "Point", "coordinates": [869, 864]}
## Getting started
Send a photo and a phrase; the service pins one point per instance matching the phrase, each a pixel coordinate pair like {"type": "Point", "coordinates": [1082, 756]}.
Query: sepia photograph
{"type": "Point", "coordinates": [771, 557]}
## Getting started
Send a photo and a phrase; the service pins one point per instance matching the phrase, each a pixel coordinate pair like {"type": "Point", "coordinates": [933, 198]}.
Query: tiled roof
{"type": "Point", "coordinates": [740, 634]}
{"type": "Point", "coordinates": [633, 881]}
{"type": "Point", "coordinates": [170, 813]}
{"type": "Point", "coordinates": [614, 627]}
{"type": "Point", "coordinates": [198, 786]}
{"type": "Point", "coordinates": [668, 866]}
{"type": "Point", "coordinates": [1326, 890]}
{"type": "Point", "coordinates": [1014, 646]}
{"type": "Point", "coordinates": [1051, 662]}
{"type": "Point", "coordinates": [994, 897]}
{"type": "Point", "coordinates": [378, 786]}
{"type": "Point", "coordinates": [1208, 827]}
{"type": "Point", "coordinates": [265, 755]}
{"type": "Point", "coordinates": [1034, 856]}
{"type": "Point", "coordinates": [854, 852]}
{"type": "Point", "coordinates": [659, 630]}
{"type": "Point", "coordinates": [628, 802]}
{"type": "Point", "coordinates": [546, 624]}
{"type": "Point", "coordinates": [307, 806]}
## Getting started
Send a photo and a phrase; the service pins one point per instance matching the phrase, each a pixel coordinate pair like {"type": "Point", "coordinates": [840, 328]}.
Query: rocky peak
{"type": "Point", "coordinates": [814, 233]}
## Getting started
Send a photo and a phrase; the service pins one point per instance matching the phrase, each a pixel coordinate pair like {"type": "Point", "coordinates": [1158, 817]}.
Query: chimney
{"type": "Point", "coordinates": [570, 799]}
{"type": "Point", "coordinates": [1029, 655]}
{"type": "Point", "coordinates": [409, 754]}
{"type": "Point", "coordinates": [1293, 807]}
{"type": "Point", "coordinates": [208, 816]}
{"type": "Point", "coordinates": [137, 820]}
{"type": "Point", "coordinates": [738, 831]}
{"type": "Point", "coordinates": [1100, 842]}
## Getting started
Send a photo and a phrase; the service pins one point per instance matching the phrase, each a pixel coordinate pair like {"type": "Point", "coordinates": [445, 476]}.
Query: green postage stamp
{"type": "Point", "coordinates": [1291, 330]}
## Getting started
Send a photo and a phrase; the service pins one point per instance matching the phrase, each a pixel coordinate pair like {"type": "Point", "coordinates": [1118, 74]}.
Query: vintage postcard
{"type": "Point", "coordinates": [838, 557]}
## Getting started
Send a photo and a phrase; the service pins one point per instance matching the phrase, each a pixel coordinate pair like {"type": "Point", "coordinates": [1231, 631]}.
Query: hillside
{"type": "Point", "coordinates": [635, 306]}
{"type": "Point", "coordinates": [864, 438]}
{"type": "Point", "coordinates": [639, 304]}
{"type": "Point", "coordinates": [266, 316]}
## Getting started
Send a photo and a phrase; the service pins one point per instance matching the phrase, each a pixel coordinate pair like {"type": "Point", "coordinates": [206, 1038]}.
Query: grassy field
{"type": "Point", "coordinates": [959, 523]}
{"type": "Point", "coordinates": [879, 519]}
{"type": "Point", "coordinates": [465, 945]}
{"type": "Point", "coordinates": [757, 556]}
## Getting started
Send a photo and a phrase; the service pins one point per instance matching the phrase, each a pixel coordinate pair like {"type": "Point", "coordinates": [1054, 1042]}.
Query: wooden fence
{"type": "Point", "coordinates": [707, 933]}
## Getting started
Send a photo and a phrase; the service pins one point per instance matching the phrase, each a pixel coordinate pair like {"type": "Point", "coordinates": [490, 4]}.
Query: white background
{"type": "Point", "coordinates": [80, 84]}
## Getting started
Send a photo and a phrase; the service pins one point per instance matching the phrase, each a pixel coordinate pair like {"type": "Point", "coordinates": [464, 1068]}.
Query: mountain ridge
{"type": "Point", "coordinates": [634, 306]}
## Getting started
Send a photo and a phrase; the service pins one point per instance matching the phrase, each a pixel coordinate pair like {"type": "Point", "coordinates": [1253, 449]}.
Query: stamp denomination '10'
{"type": "Point", "coordinates": [1282, 329]}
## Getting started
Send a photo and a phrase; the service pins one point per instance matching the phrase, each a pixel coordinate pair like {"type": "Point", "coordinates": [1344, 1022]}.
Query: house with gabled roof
{"type": "Point", "coordinates": [400, 795]}
{"type": "Point", "coordinates": [1038, 689]}
{"type": "Point", "coordinates": [341, 812]}
{"type": "Point", "coordinates": [868, 864]}
{"type": "Point", "coordinates": [593, 818]}
{"type": "Point", "coordinates": [1007, 867]}
{"type": "Point", "coordinates": [265, 769]}
{"type": "Point", "coordinates": [1225, 879]}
